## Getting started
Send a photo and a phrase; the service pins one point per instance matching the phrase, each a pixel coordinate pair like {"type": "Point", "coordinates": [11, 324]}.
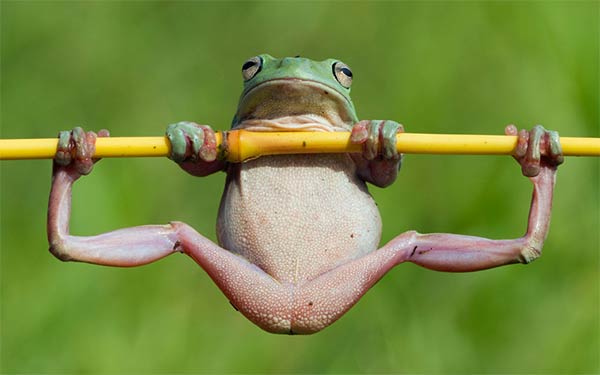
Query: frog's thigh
{"type": "Point", "coordinates": [250, 290]}
{"type": "Point", "coordinates": [286, 308]}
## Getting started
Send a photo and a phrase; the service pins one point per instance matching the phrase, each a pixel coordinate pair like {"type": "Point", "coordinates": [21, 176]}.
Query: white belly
{"type": "Point", "coordinates": [297, 216]}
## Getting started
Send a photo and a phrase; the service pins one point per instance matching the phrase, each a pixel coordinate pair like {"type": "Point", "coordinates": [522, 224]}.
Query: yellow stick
{"type": "Point", "coordinates": [243, 145]}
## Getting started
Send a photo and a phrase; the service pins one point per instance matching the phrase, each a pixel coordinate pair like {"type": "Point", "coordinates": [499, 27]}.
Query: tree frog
{"type": "Point", "coordinates": [298, 235]}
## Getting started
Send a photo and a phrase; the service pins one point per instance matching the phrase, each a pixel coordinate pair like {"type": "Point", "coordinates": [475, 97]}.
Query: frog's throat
{"type": "Point", "coordinates": [285, 97]}
{"type": "Point", "coordinates": [309, 123]}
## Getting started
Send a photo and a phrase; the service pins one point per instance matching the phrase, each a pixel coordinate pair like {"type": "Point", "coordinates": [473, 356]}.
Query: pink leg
{"type": "Point", "coordinates": [124, 247]}
{"type": "Point", "coordinates": [261, 298]}
{"type": "Point", "coordinates": [539, 153]}
{"type": "Point", "coordinates": [311, 306]}
{"type": "Point", "coordinates": [321, 301]}
{"type": "Point", "coordinates": [258, 295]}
{"type": "Point", "coordinates": [456, 253]}
{"type": "Point", "coordinates": [274, 306]}
{"type": "Point", "coordinates": [286, 308]}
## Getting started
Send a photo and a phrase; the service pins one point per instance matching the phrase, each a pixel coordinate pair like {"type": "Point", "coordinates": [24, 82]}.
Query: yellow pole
{"type": "Point", "coordinates": [243, 145]}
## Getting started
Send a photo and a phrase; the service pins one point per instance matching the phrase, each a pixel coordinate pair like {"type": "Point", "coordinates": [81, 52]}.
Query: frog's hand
{"type": "Point", "coordinates": [194, 148]}
{"type": "Point", "coordinates": [380, 161]}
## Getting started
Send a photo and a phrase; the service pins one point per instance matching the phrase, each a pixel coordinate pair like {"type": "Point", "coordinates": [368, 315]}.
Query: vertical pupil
{"type": "Point", "coordinates": [248, 64]}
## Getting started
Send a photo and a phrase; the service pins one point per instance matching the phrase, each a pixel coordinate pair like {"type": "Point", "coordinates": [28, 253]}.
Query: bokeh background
{"type": "Point", "coordinates": [455, 67]}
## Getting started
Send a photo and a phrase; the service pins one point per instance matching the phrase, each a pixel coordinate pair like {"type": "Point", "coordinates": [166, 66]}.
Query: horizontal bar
{"type": "Point", "coordinates": [243, 145]}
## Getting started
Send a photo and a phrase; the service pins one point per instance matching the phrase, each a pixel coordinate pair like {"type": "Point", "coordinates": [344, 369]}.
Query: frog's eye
{"type": "Point", "coordinates": [342, 73]}
{"type": "Point", "coordinates": [251, 67]}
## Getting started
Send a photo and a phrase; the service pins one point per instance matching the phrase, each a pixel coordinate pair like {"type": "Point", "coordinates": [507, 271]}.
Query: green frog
{"type": "Point", "coordinates": [298, 235]}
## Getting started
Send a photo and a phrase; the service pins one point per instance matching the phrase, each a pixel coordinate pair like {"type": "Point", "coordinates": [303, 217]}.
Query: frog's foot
{"type": "Point", "coordinates": [539, 153]}
{"type": "Point", "coordinates": [378, 138]}
{"type": "Point", "coordinates": [191, 142]}
{"type": "Point", "coordinates": [536, 149]}
{"type": "Point", "coordinates": [75, 151]}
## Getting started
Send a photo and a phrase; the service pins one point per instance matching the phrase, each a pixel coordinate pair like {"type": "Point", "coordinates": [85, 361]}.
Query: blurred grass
{"type": "Point", "coordinates": [463, 67]}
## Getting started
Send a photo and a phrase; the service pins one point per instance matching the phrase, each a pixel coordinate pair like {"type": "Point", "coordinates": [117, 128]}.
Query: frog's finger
{"type": "Point", "coordinates": [84, 151]}
{"type": "Point", "coordinates": [511, 130]}
{"type": "Point", "coordinates": [208, 151]}
{"type": "Point", "coordinates": [522, 144]}
{"type": "Point", "coordinates": [179, 142]}
{"type": "Point", "coordinates": [196, 138]}
{"type": "Point", "coordinates": [80, 140]}
{"type": "Point", "coordinates": [522, 140]}
{"type": "Point", "coordinates": [555, 148]}
{"type": "Point", "coordinates": [182, 135]}
{"type": "Point", "coordinates": [531, 162]}
{"type": "Point", "coordinates": [389, 129]}
{"type": "Point", "coordinates": [371, 148]}
{"type": "Point", "coordinates": [359, 132]}
{"type": "Point", "coordinates": [103, 133]}
{"type": "Point", "coordinates": [63, 150]}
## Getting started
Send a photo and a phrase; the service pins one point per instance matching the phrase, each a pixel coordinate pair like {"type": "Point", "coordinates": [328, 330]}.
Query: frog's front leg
{"type": "Point", "coordinates": [194, 148]}
{"type": "Point", "coordinates": [380, 161]}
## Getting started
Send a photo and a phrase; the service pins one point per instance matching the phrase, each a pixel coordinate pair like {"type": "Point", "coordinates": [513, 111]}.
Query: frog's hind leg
{"type": "Point", "coordinates": [252, 291]}
{"type": "Point", "coordinates": [310, 306]}
{"type": "Point", "coordinates": [124, 247]}
{"type": "Point", "coordinates": [286, 308]}
{"type": "Point", "coordinates": [274, 306]}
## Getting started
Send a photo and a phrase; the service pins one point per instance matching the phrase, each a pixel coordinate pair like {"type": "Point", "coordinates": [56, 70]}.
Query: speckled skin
{"type": "Point", "coordinates": [298, 216]}
{"type": "Point", "coordinates": [298, 234]}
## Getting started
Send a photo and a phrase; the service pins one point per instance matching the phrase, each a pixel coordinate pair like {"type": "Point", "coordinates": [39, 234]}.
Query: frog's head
{"type": "Point", "coordinates": [293, 86]}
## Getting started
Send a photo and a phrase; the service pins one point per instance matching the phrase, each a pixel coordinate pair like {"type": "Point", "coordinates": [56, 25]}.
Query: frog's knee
{"type": "Point", "coordinates": [309, 324]}
{"type": "Point", "coordinates": [273, 322]}
{"type": "Point", "coordinates": [312, 315]}
{"type": "Point", "coordinates": [289, 320]}
{"type": "Point", "coordinates": [277, 324]}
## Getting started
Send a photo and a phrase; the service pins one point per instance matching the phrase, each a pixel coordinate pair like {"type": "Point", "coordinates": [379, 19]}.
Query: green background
{"type": "Point", "coordinates": [456, 67]}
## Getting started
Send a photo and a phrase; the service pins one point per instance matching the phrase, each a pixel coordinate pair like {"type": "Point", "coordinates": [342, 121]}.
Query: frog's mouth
{"type": "Point", "coordinates": [281, 97]}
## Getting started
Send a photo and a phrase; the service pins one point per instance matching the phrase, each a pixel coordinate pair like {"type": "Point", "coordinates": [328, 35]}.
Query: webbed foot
{"type": "Point", "coordinates": [75, 151]}
{"type": "Point", "coordinates": [536, 149]}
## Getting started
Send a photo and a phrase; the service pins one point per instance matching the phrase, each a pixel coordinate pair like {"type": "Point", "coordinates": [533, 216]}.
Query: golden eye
{"type": "Point", "coordinates": [343, 74]}
{"type": "Point", "coordinates": [251, 67]}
